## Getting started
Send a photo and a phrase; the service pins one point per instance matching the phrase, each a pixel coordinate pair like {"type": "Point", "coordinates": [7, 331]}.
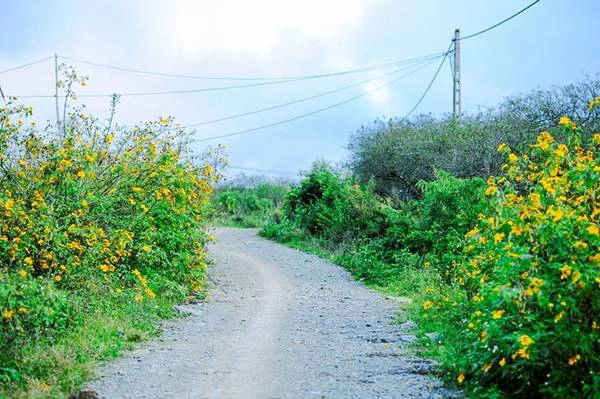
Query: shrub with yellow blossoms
{"type": "Point", "coordinates": [94, 207]}
{"type": "Point", "coordinates": [533, 275]}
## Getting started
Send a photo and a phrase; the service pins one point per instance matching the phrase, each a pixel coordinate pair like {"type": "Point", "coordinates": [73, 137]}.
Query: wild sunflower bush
{"type": "Point", "coordinates": [532, 276]}
{"type": "Point", "coordinates": [92, 214]}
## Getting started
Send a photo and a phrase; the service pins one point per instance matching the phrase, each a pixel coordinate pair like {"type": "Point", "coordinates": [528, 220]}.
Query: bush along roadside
{"type": "Point", "coordinates": [247, 207]}
{"type": "Point", "coordinates": [506, 271]}
{"type": "Point", "coordinates": [531, 276]}
{"type": "Point", "coordinates": [101, 233]}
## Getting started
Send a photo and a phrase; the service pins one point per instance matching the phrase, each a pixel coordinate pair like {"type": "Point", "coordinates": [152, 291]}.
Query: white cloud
{"type": "Point", "coordinates": [256, 27]}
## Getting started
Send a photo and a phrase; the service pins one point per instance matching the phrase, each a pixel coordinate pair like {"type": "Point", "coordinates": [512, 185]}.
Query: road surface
{"type": "Point", "coordinates": [278, 323]}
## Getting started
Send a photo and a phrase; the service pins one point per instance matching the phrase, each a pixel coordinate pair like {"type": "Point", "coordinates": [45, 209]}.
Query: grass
{"type": "Point", "coordinates": [112, 324]}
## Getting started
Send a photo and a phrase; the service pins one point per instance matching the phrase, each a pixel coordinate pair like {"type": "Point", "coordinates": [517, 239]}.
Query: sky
{"type": "Point", "coordinates": [552, 43]}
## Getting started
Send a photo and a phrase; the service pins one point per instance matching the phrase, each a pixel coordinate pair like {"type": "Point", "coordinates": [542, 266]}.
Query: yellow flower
{"type": "Point", "coordinates": [544, 140]}
{"type": "Point", "coordinates": [109, 138]}
{"type": "Point", "coordinates": [491, 190]}
{"type": "Point", "coordinates": [516, 229]}
{"type": "Point", "coordinates": [497, 314]}
{"type": "Point", "coordinates": [472, 232]}
{"type": "Point", "coordinates": [164, 121]}
{"type": "Point", "coordinates": [22, 309]}
{"type": "Point", "coordinates": [593, 230]}
{"type": "Point", "coordinates": [57, 278]}
{"type": "Point", "coordinates": [138, 297]}
{"type": "Point", "coordinates": [596, 138]}
{"type": "Point", "coordinates": [81, 174]}
{"type": "Point", "coordinates": [22, 273]}
{"type": "Point", "coordinates": [594, 103]}
{"type": "Point", "coordinates": [427, 305]}
{"type": "Point", "coordinates": [28, 261]}
{"type": "Point", "coordinates": [548, 186]}
{"type": "Point", "coordinates": [502, 362]}
{"type": "Point", "coordinates": [84, 203]}
{"type": "Point", "coordinates": [503, 147]}
{"type": "Point", "coordinates": [574, 359]}
{"type": "Point", "coordinates": [556, 214]}
{"type": "Point", "coordinates": [146, 248]}
{"type": "Point", "coordinates": [512, 158]}
{"type": "Point", "coordinates": [460, 378]}
{"type": "Point", "coordinates": [565, 121]}
{"type": "Point", "coordinates": [9, 204]}
{"type": "Point", "coordinates": [561, 150]}
{"type": "Point", "coordinates": [144, 208]}
{"type": "Point", "coordinates": [559, 317]}
{"type": "Point", "coordinates": [7, 314]}
{"type": "Point", "coordinates": [565, 272]}
{"type": "Point", "coordinates": [580, 244]}
{"type": "Point", "coordinates": [522, 353]}
{"type": "Point", "coordinates": [525, 340]}
{"type": "Point", "coordinates": [498, 237]}
{"type": "Point", "coordinates": [486, 367]}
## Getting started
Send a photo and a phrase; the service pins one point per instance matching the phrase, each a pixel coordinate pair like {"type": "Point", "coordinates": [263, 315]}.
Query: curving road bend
{"type": "Point", "coordinates": [278, 323]}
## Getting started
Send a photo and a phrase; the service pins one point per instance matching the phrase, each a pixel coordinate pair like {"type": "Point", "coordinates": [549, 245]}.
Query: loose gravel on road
{"type": "Point", "coordinates": [278, 323]}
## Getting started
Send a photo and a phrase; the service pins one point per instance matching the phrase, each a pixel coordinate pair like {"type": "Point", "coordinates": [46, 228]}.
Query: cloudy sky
{"type": "Point", "coordinates": [554, 42]}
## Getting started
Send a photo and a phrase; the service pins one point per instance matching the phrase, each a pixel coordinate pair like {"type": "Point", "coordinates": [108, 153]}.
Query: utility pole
{"type": "Point", "coordinates": [456, 94]}
{"type": "Point", "coordinates": [56, 89]}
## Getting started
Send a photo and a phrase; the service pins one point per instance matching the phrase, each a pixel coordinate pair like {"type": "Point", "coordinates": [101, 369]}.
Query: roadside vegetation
{"type": "Point", "coordinates": [492, 230]}
{"type": "Point", "coordinates": [101, 234]}
{"type": "Point", "coordinates": [247, 202]}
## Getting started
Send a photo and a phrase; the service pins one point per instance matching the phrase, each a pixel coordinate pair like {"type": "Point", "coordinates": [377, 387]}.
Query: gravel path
{"type": "Point", "coordinates": [278, 323]}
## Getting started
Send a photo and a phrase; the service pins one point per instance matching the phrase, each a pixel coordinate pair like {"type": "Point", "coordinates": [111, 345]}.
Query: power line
{"type": "Point", "coordinates": [501, 22]}
{"type": "Point", "coordinates": [223, 88]}
{"type": "Point", "coordinates": [206, 77]}
{"type": "Point", "coordinates": [435, 75]}
{"type": "Point", "coordinates": [26, 65]}
{"type": "Point", "coordinates": [232, 87]}
{"type": "Point", "coordinates": [303, 99]}
{"type": "Point", "coordinates": [244, 131]}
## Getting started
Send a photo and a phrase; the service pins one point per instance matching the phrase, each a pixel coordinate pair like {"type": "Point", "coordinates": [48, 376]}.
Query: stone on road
{"type": "Point", "coordinates": [278, 323]}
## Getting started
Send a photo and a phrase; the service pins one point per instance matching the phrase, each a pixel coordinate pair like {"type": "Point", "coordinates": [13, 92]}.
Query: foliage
{"type": "Point", "coordinates": [396, 154]}
{"type": "Point", "coordinates": [248, 207]}
{"type": "Point", "coordinates": [532, 273]}
{"type": "Point", "coordinates": [91, 215]}
{"type": "Point", "coordinates": [328, 205]}
{"type": "Point", "coordinates": [514, 300]}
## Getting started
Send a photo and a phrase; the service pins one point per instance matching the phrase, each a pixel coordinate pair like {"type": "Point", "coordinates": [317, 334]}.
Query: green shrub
{"type": "Point", "coordinates": [32, 309]}
{"type": "Point", "coordinates": [396, 154]}
{"type": "Point", "coordinates": [330, 206]}
{"type": "Point", "coordinates": [248, 207]}
{"type": "Point", "coordinates": [532, 276]}
{"type": "Point", "coordinates": [95, 221]}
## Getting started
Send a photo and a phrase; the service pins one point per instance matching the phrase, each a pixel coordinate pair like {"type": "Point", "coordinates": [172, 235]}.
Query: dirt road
{"type": "Point", "coordinates": [278, 323]}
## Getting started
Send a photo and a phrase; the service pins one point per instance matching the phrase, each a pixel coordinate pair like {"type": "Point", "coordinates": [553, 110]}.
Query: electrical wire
{"type": "Point", "coordinates": [500, 23]}
{"type": "Point", "coordinates": [303, 99]}
{"type": "Point", "coordinates": [412, 61]}
{"type": "Point", "coordinates": [435, 75]}
{"type": "Point", "coordinates": [206, 77]}
{"type": "Point", "coordinates": [200, 90]}
{"type": "Point", "coordinates": [26, 65]}
{"type": "Point", "coordinates": [304, 115]}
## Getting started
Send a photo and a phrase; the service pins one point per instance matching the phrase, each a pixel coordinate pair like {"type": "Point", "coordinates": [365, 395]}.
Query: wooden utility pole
{"type": "Point", "coordinates": [456, 95]}
{"type": "Point", "coordinates": [56, 89]}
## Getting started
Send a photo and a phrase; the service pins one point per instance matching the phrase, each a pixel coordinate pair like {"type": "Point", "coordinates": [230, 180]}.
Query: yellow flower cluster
{"type": "Point", "coordinates": [532, 266]}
